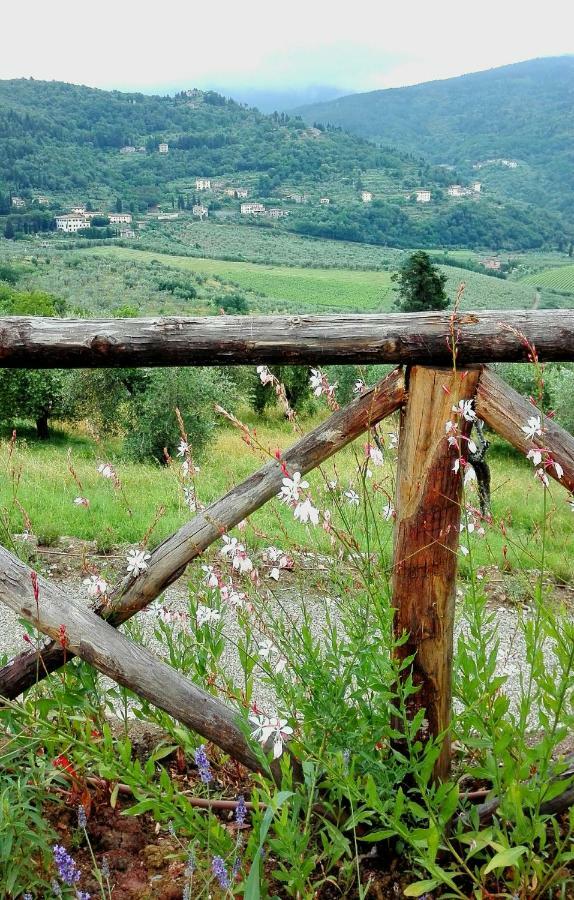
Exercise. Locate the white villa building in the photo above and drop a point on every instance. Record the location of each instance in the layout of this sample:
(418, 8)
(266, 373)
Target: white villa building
(202, 184)
(71, 222)
(423, 196)
(163, 147)
(252, 209)
(366, 196)
(200, 211)
(119, 218)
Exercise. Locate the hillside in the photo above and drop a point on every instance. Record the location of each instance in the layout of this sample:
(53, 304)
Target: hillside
(521, 112)
(75, 145)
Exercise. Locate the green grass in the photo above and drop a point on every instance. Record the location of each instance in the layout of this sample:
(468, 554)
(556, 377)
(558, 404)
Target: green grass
(555, 279)
(46, 492)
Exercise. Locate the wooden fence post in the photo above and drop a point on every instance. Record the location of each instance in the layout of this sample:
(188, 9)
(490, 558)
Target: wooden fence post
(427, 529)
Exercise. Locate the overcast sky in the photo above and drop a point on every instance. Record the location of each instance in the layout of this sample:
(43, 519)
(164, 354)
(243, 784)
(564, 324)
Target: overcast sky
(359, 45)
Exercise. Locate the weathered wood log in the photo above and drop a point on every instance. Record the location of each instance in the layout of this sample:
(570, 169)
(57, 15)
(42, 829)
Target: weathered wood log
(169, 559)
(115, 655)
(506, 412)
(482, 336)
(428, 505)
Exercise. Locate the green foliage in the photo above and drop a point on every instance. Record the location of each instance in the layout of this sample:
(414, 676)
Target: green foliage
(151, 410)
(232, 304)
(26, 837)
(295, 379)
(420, 285)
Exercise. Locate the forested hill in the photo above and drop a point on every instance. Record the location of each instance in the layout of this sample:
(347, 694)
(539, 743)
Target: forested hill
(63, 145)
(65, 138)
(522, 112)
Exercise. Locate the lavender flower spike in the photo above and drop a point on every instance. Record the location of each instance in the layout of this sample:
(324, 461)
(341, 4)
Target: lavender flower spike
(202, 763)
(220, 871)
(241, 810)
(67, 869)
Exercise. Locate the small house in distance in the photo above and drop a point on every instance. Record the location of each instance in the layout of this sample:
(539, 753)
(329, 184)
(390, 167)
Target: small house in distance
(324, 201)
(202, 184)
(163, 147)
(252, 209)
(127, 149)
(476, 187)
(78, 210)
(423, 196)
(18, 202)
(275, 212)
(120, 218)
(455, 190)
(366, 196)
(71, 222)
(127, 233)
(491, 263)
(200, 211)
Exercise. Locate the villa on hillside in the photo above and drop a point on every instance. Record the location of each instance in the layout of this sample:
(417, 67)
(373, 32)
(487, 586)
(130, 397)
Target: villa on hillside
(456, 190)
(275, 212)
(127, 149)
(200, 211)
(163, 147)
(324, 201)
(491, 263)
(202, 184)
(366, 196)
(423, 196)
(18, 202)
(252, 209)
(120, 218)
(71, 222)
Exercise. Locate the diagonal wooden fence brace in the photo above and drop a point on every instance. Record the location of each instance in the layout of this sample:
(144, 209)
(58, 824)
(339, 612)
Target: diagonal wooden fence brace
(113, 654)
(506, 412)
(170, 558)
(428, 505)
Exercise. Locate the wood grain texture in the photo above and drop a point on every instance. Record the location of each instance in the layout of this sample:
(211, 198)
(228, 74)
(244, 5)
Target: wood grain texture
(169, 559)
(482, 336)
(115, 655)
(427, 527)
(506, 411)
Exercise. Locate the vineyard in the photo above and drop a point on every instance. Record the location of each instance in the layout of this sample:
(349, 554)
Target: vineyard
(559, 279)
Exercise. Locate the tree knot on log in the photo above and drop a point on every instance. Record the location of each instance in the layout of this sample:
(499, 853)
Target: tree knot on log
(103, 344)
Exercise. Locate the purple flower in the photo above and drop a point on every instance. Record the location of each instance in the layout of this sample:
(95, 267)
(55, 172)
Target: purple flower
(82, 895)
(27, 896)
(220, 871)
(82, 818)
(241, 810)
(56, 889)
(202, 763)
(236, 867)
(67, 869)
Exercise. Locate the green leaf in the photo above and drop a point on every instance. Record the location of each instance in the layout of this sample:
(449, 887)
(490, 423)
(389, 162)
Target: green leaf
(506, 858)
(253, 881)
(421, 887)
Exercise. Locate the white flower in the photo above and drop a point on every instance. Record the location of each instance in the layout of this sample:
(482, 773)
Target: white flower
(270, 728)
(359, 386)
(374, 454)
(306, 512)
(464, 409)
(96, 586)
(332, 485)
(210, 578)
(535, 456)
(464, 550)
(265, 375)
(106, 471)
(316, 382)
(291, 487)
(541, 474)
(388, 512)
(241, 562)
(456, 466)
(471, 445)
(137, 562)
(532, 427)
(469, 475)
(190, 499)
(394, 440)
(558, 469)
(207, 616)
(352, 497)
(81, 501)
(231, 545)
(272, 553)
(183, 448)
(266, 649)
(274, 573)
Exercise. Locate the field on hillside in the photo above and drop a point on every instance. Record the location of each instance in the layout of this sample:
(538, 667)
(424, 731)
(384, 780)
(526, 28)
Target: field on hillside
(280, 288)
(555, 279)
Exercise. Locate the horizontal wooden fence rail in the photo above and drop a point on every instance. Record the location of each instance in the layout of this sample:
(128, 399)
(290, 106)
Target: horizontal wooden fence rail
(421, 338)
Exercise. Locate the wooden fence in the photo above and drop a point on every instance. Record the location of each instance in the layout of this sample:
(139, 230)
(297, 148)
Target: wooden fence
(441, 362)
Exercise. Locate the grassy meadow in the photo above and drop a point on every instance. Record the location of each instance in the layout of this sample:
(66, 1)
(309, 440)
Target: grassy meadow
(45, 492)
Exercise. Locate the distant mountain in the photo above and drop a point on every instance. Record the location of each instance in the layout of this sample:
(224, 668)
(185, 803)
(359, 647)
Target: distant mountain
(280, 99)
(73, 144)
(522, 112)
